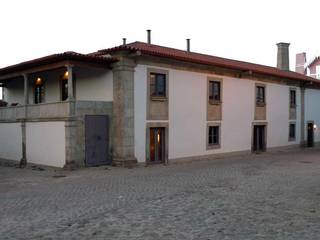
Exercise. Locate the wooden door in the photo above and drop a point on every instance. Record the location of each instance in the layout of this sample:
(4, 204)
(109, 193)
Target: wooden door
(97, 140)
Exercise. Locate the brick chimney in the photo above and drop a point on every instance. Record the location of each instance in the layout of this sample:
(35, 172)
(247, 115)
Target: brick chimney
(301, 59)
(283, 56)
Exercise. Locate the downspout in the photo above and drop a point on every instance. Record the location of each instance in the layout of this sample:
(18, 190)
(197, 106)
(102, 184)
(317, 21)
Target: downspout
(302, 120)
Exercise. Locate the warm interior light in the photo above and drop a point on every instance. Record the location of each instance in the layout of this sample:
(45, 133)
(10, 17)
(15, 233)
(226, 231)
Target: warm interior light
(38, 81)
(66, 75)
(158, 137)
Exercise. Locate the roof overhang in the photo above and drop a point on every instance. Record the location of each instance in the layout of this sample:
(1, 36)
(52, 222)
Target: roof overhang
(55, 61)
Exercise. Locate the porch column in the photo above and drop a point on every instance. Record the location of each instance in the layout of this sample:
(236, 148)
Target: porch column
(26, 89)
(123, 113)
(70, 82)
(302, 119)
(23, 161)
(71, 125)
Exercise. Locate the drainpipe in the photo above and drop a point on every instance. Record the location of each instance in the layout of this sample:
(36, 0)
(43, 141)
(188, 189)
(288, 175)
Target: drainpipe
(302, 120)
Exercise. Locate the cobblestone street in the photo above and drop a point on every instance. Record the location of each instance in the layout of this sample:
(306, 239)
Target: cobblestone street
(267, 196)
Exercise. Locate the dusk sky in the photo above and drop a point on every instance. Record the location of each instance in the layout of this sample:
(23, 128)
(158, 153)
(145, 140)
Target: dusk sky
(245, 30)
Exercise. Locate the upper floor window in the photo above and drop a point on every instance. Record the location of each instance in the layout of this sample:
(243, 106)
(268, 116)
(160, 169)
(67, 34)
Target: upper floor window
(38, 91)
(213, 135)
(260, 95)
(292, 98)
(214, 91)
(64, 86)
(158, 84)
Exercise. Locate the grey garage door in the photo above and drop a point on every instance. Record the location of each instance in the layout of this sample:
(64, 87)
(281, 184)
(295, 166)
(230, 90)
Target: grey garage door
(97, 140)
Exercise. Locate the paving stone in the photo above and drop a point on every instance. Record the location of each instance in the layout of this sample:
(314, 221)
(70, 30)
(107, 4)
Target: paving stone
(269, 196)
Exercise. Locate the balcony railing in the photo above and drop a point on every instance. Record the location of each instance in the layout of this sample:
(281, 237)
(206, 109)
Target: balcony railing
(54, 111)
(35, 111)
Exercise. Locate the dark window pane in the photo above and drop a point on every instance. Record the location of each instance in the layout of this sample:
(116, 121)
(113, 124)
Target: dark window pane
(292, 97)
(260, 98)
(38, 91)
(158, 84)
(213, 135)
(292, 131)
(214, 90)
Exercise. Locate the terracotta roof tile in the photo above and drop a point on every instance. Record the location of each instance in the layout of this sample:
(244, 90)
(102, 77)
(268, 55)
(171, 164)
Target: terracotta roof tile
(56, 58)
(155, 50)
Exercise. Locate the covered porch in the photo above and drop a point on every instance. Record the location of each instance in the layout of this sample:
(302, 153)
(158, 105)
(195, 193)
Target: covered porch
(45, 101)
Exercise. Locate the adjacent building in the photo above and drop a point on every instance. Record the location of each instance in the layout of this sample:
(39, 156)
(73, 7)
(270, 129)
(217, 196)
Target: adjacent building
(311, 68)
(140, 102)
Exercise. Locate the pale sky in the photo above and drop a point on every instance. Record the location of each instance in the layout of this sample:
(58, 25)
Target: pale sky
(245, 30)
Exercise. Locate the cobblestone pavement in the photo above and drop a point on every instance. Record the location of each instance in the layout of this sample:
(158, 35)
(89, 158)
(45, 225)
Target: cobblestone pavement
(268, 196)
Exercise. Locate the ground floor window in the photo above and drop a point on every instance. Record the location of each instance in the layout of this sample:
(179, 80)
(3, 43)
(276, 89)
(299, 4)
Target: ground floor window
(292, 131)
(213, 135)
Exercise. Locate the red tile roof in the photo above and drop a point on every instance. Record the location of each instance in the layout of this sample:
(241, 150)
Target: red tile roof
(54, 58)
(172, 53)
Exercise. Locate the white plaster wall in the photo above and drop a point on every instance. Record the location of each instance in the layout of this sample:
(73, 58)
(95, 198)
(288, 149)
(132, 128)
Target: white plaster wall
(46, 143)
(94, 85)
(10, 141)
(278, 115)
(312, 111)
(187, 114)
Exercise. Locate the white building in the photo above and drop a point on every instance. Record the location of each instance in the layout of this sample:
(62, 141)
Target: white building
(145, 103)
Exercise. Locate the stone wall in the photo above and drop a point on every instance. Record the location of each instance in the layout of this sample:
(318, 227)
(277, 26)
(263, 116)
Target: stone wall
(83, 108)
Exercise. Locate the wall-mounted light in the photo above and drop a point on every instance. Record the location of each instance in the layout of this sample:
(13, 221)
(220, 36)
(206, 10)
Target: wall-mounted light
(314, 126)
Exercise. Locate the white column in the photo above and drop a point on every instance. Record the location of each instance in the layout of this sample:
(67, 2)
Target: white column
(70, 82)
(26, 89)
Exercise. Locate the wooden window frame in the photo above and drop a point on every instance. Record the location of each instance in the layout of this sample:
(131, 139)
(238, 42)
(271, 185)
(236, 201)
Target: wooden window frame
(61, 80)
(155, 96)
(214, 98)
(260, 103)
(43, 99)
(210, 90)
(293, 105)
(213, 145)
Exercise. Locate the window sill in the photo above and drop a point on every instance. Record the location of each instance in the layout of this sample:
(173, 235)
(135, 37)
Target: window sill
(260, 104)
(213, 146)
(214, 102)
(160, 99)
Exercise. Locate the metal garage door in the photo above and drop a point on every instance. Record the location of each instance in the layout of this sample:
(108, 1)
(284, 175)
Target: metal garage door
(97, 140)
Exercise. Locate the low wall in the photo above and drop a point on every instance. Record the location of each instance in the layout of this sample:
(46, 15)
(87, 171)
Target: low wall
(45, 143)
(10, 141)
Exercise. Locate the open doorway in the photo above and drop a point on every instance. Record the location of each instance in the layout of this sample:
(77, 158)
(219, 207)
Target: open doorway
(259, 138)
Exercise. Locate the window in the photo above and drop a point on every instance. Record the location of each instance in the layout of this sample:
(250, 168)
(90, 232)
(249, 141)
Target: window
(64, 86)
(213, 135)
(292, 131)
(214, 91)
(292, 98)
(38, 91)
(260, 95)
(158, 84)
